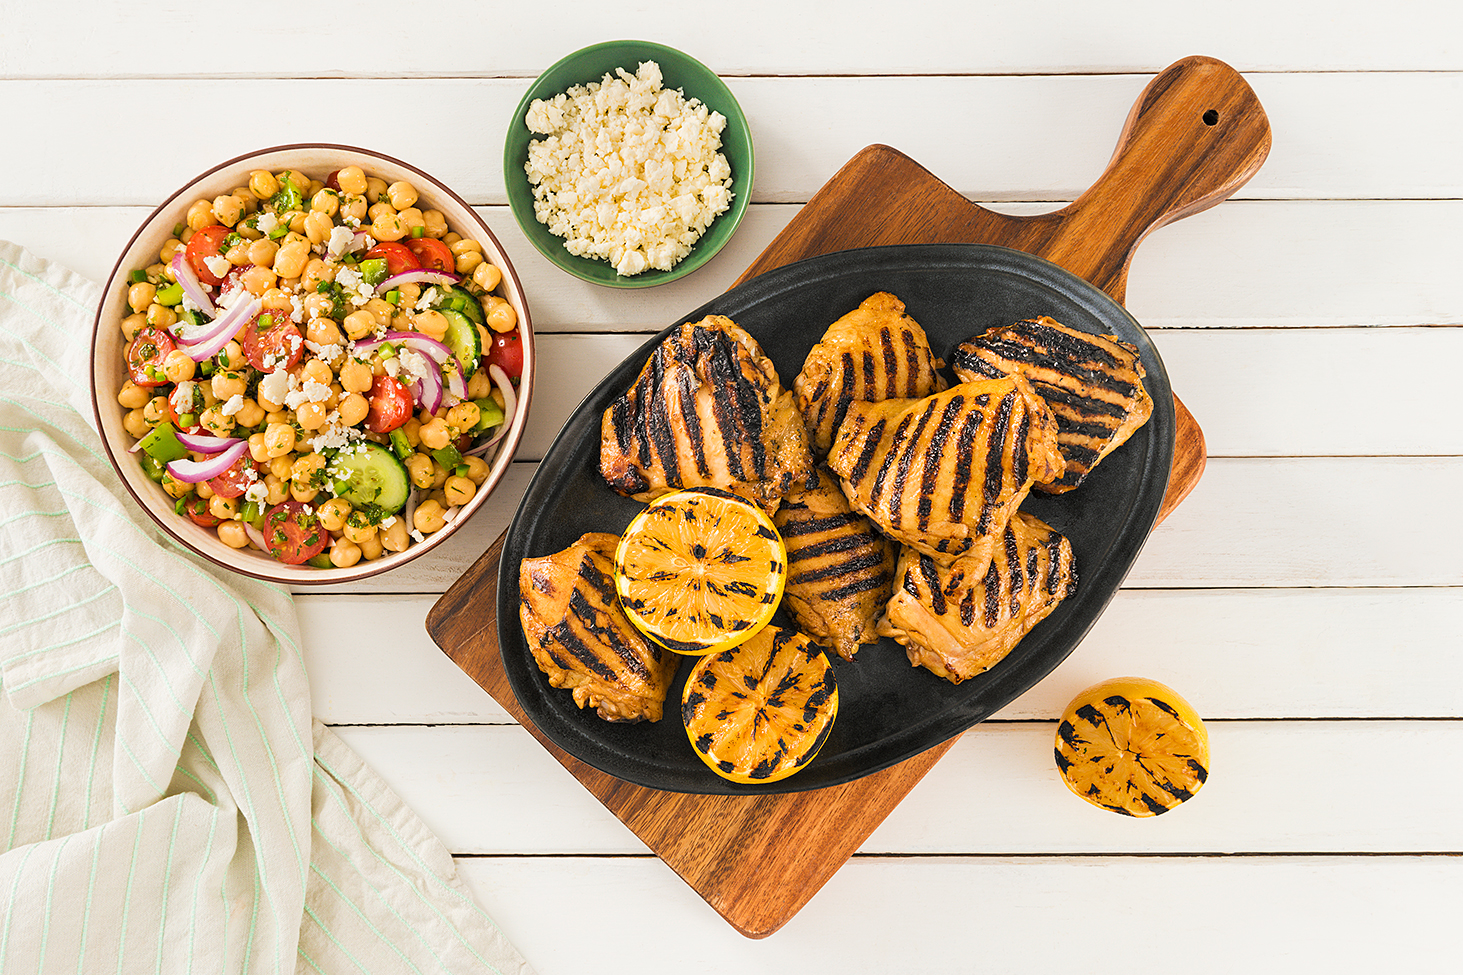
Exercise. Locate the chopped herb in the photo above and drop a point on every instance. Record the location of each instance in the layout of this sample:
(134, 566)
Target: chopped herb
(288, 197)
(178, 229)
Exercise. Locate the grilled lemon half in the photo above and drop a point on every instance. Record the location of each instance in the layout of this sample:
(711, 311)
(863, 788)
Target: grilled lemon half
(700, 570)
(1133, 746)
(760, 711)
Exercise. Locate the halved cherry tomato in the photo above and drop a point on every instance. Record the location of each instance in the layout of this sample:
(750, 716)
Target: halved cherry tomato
(145, 355)
(432, 254)
(279, 346)
(390, 404)
(293, 532)
(202, 245)
(186, 397)
(196, 509)
(235, 481)
(398, 258)
(507, 353)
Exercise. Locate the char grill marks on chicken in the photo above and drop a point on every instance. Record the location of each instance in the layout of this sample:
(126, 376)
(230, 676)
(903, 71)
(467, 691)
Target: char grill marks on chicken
(875, 352)
(944, 473)
(1093, 383)
(840, 570)
(581, 638)
(707, 410)
(961, 619)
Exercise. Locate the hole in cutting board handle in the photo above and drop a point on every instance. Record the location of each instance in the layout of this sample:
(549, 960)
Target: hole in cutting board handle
(1211, 117)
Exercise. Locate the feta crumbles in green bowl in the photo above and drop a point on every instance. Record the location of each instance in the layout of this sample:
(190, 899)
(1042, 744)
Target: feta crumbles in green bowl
(628, 164)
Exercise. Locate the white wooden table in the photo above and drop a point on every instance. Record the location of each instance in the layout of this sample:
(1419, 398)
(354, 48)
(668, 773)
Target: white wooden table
(1305, 598)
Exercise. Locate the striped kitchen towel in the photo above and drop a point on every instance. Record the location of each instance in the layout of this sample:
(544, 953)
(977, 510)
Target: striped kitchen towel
(167, 803)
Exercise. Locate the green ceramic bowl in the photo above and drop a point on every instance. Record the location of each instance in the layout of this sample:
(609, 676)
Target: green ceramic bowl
(679, 70)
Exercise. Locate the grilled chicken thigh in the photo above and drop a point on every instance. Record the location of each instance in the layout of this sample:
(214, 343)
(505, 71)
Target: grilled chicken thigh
(840, 570)
(875, 352)
(706, 411)
(581, 638)
(962, 619)
(943, 474)
(1093, 383)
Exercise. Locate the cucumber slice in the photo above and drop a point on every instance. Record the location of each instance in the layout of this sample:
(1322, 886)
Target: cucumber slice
(464, 340)
(470, 306)
(370, 474)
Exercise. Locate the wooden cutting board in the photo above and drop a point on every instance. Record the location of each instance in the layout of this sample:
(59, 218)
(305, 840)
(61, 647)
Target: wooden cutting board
(1196, 134)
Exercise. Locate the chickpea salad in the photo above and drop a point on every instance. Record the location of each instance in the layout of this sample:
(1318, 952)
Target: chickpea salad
(316, 367)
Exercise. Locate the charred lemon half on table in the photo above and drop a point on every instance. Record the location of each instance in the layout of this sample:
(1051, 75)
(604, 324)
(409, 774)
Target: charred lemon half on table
(700, 570)
(1133, 746)
(760, 711)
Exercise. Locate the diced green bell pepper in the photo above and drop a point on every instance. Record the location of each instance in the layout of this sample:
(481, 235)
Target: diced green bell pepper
(161, 444)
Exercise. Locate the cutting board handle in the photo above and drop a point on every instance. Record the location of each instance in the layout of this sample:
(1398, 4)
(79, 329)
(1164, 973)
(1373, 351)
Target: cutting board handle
(1196, 135)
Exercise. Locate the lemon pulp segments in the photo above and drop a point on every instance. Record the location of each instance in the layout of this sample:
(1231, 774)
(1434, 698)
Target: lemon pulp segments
(700, 570)
(1133, 746)
(760, 711)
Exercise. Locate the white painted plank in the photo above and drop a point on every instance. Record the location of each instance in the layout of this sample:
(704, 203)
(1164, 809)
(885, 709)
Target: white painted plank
(1274, 787)
(1103, 916)
(1260, 263)
(763, 36)
(1324, 653)
(1273, 522)
(1364, 136)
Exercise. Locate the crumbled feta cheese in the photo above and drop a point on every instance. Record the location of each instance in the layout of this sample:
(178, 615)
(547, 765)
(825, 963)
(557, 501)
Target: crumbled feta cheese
(335, 435)
(235, 404)
(629, 172)
(427, 300)
(327, 352)
(256, 492)
(309, 392)
(297, 309)
(416, 535)
(275, 386)
(339, 242)
(218, 264)
(354, 285)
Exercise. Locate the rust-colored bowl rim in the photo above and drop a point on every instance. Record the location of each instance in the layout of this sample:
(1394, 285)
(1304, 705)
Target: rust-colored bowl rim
(106, 348)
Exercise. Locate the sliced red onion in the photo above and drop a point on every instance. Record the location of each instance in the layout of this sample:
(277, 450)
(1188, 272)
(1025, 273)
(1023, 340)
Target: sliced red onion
(425, 344)
(409, 510)
(184, 274)
(361, 240)
(419, 276)
(256, 536)
(456, 385)
(428, 390)
(450, 515)
(510, 406)
(223, 330)
(205, 444)
(194, 471)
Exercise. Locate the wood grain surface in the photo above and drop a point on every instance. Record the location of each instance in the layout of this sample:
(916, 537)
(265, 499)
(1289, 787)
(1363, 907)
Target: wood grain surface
(1196, 134)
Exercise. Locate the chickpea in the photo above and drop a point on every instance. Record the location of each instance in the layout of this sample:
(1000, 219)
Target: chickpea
(257, 451)
(402, 194)
(465, 245)
(459, 490)
(276, 300)
(353, 208)
(203, 490)
(316, 271)
(464, 416)
(393, 536)
(221, 507)
(355, 376)
(231, 356)
(263, 184)
(200, 215)
(382, 209)
(316, 371)
(375, 189)
(480, 385)
(487, 276)
(412, 431)
(381, 310)
(353, 409)
(277, 488)
(351, 179)
(250, 414)
(411, 219)
(229, 384)
(316, 305)
(282, 466)
(432, 324)
(439, 478)
(410, 293)
(156, 410)
(247, 197)
(434, 222)
(247, 232)
(258, 279)
(227, 209)
(310, 416)
(450, 238)
(304, 493)
(477, 470)
(135, 423)
(295, 219)
(279, 439)
(344, 554)
(304, 468)
(300, 180)
(435, 434)
(333, 513)
(323, 331)
(262, 252)
(140, 295)
(277, 416)
(468, 261)
(232, 534)
(174, 487)
(501, 316)
(325, 201)
(318, 226)
(133, 324)
(216, 422)
(161, 315)
(358, 527)
(290, 260)
(388, 226)
(238, 255)
(169, 248)
(419, 469)
(359, 324)
(428, 517)
(132, 396)
(371, 548)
